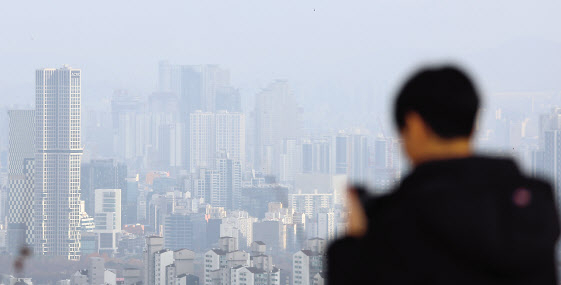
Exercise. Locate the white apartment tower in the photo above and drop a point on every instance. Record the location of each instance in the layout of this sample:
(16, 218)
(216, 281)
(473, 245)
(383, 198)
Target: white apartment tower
(57, 162)
(216, 133)
(230, 134)
(202, 144)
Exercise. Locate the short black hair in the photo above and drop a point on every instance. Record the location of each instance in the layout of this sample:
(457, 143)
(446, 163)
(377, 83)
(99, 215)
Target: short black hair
(444, 97)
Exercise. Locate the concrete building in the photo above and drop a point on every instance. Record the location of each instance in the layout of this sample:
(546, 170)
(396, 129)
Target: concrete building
(56, 229)
(227, 191)
(310, 203)
(221, 186)
(289, 164)
(254, 276)
(202, 146)
(230, 134)
(276, 118)
(11, 280)
(178, 231)
(255, 199)
(219, 262)
(21, 158)
(308, 262)
(132, 276)
(315, 156)
(153, 244)
(129, 126)
(238, 224)
(184, 261)
(323, 225)
(271, 233)
(96, 271)
(164, 266)
(108, 218)
(319, 279)
(162, 259)
(197, 87)
(103, 174)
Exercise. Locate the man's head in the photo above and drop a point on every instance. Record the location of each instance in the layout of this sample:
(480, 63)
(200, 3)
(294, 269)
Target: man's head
(435, 113)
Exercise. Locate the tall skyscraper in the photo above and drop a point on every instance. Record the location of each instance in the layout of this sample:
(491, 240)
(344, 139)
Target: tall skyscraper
(213, 134)
(57, 162)
(276, 118)
(165, 131)
(341, 150)
(359, 157)
(221, 187)
(129, 125)
(202, 136)
(197, 88)
(227, 192)
(196, 85)
(228, 98)
(21, 157)
(289, 164)
(230, 134)
(315, 156)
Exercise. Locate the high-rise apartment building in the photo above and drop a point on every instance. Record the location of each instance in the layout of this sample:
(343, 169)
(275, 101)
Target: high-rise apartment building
(341, 154)
(165, 134)
(315, 156)
(153, 244)
(276, 118)
(57, 162)
(197, 88)
(230, 134)
(227, 192)
(202, 140)
(359, 158)
(21, 157)
(196, 85)
(220, 187)
(307, 263)
(216, 134)
(129, 125)
(289, 164)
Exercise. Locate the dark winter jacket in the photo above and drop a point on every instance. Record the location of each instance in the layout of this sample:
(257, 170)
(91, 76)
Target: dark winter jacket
(475, 220)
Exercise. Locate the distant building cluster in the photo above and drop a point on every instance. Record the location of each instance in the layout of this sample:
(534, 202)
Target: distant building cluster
(182, 186)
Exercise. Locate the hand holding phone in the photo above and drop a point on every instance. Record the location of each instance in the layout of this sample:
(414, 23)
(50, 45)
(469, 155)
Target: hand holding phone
(357, 222)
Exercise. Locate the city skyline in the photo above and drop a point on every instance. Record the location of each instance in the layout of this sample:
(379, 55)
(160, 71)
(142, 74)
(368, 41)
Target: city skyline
(194, 143)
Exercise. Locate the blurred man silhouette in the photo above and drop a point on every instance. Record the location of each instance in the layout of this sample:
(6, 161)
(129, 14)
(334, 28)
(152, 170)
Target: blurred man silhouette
(457, 218)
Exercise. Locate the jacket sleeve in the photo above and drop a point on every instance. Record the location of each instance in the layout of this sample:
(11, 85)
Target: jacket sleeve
(345, 262)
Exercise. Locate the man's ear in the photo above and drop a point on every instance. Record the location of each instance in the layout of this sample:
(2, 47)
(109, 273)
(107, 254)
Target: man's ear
(416, 126)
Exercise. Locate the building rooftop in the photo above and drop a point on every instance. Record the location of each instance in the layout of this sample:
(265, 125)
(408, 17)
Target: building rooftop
(309, 252)
(316, 238)
(219, 251)
(255, 270)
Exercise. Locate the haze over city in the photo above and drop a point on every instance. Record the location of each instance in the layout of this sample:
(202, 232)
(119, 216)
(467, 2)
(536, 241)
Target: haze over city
(194, 141)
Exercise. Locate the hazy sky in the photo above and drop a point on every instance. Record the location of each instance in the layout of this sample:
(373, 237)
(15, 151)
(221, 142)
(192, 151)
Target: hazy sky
(340, 56)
